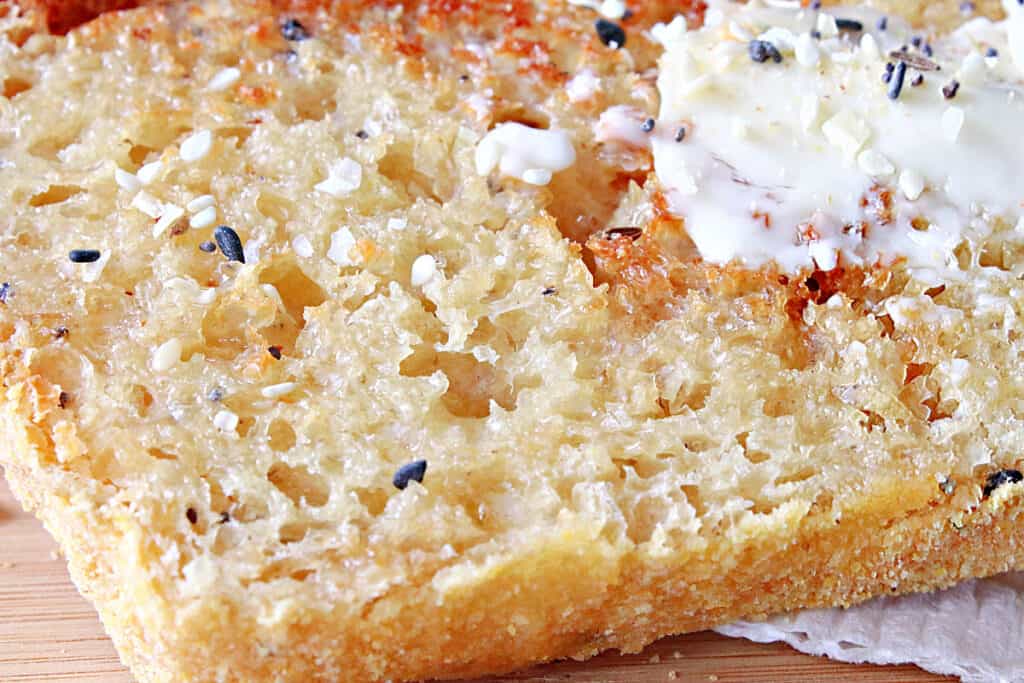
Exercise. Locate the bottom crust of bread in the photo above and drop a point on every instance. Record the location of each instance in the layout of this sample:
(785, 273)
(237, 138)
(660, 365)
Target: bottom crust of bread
(573, 596)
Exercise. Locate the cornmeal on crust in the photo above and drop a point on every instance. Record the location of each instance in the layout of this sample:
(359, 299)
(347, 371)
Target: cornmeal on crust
(622, 439)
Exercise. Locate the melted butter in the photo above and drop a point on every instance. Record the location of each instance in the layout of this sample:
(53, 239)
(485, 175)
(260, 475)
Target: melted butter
(790, 162)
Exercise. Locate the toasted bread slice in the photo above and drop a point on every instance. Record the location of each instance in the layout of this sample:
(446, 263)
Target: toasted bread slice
(408, 416)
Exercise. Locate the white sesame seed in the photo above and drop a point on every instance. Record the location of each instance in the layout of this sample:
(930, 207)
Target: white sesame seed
(147, 204)
(397, 223)
(911, 183)
(952, 122)
(223, 79)
(199, 203)
(810, 110)
(207, 296)
(424, 268)
(537, 176)
(302, 246)
(343, 177)
(126, 181)
(827, 25)
(171, 213)
(149, 172)
(671, 32)
(167, 355)
(278, 390)
(806, 50)
(196, 146)
(204, 218)
(342, 242)
(874, 163)
(846, 131)
(1019, 227)
(226, 421)
(869, 47)
(825, 256)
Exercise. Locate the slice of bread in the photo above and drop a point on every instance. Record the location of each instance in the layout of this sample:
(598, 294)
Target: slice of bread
(620, 440)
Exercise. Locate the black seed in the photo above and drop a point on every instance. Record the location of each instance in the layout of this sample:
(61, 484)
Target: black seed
(816, 34)
(889, 66)
(5, 292)
(225, 518)
(63, 399)
(918, 80)
(548, 291)
(849, 25)
(215, 394)
(997, 479)
(84, 255)
(412, 471)
(916, 41)
(362, 134)
(229, 243)
(883, 23)
(681, 134)
(275, 351)
(293, 30)
(927, 50)
(815, 4)
(950, 89)
(896, 85)
(60, 332)
(812, 284)
(761, 51)
(887, 76)
(647, 126)
(208, 247)
(610, 33)
(966, 7)
(991, 52)
(192, 516)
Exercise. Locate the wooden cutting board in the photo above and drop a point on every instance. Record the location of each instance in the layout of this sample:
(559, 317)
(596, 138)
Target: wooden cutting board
(48, 632)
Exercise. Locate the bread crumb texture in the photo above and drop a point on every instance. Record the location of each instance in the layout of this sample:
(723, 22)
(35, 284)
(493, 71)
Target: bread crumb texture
(621, 441)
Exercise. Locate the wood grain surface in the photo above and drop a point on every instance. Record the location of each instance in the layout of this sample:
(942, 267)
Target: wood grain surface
(48, 632)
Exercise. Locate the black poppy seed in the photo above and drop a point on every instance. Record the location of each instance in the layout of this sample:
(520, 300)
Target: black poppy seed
(904, 48)
(5, 292)
(84, 255)
(647, 126)
(927, 50)
(207, 246)
(215, 395)
(966, 7)
(916, 41)
(816, 34)
(917, 80)
(362, 134)
(882, 23)
(225, 517)
(761, 51)
(627, 15)
(849, 25)
(889, 66)
(610, 33)
(230, 243)
(681, 134)
(274, 351)
(411, 471)
(548, 291)
(887, 76)
(63, 399)
(193, 517)
(997, 479)
(815, 4)
(60, 332)
(896, 85)
(292, 30)
(991, 52)
(950, 89)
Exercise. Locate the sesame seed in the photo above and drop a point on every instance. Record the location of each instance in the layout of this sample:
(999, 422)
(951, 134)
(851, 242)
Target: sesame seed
(168, 217)
(224, 79)
(292, 30)
(204, 218)
(849, 25)
(84, 255)
(681, 134)
(950, 89)
(918, 80)
(230, 243)
(274, 351)
(362, 134)
(207, 246)
(412, 471)
(302, 246)
(147, 204)
(911, 183)
(196, 146)
(424, 268)
(610, 33)
(761, 51)
(278, 390)
(192, 516)
(149, 172)
(167, 355)
(896, 85)
(126, 181)
(199, 203)
(647, 126)
(883, 23)
(952, 123)
(5, 292)
(536, 176)
(225, 420)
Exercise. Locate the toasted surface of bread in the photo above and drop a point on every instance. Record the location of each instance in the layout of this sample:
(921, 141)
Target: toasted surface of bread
(621, 440)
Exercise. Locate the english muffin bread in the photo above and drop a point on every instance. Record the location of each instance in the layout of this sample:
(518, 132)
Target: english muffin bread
(361, 341)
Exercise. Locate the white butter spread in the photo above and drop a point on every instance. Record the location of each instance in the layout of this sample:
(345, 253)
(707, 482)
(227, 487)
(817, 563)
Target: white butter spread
(529, 154)
(794, 161)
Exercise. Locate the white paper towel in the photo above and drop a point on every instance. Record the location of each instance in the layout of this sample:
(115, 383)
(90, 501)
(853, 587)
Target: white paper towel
(973, 630)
